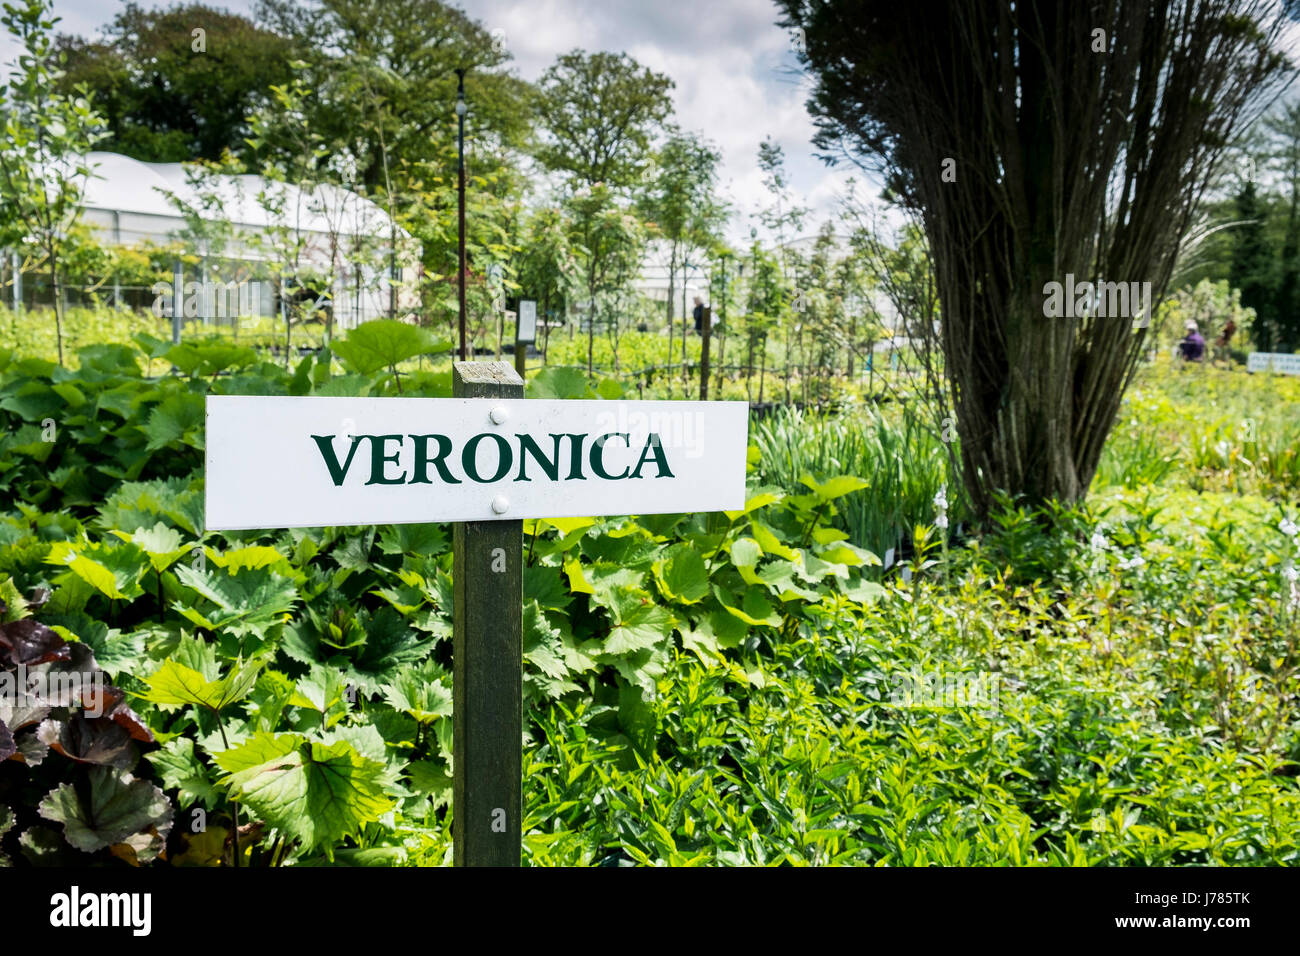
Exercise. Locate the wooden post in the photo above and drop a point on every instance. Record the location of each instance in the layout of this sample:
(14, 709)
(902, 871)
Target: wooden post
(521, 353)
(487, 646)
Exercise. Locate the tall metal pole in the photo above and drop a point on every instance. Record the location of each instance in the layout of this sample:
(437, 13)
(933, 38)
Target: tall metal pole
(460, 189)
(706, 331)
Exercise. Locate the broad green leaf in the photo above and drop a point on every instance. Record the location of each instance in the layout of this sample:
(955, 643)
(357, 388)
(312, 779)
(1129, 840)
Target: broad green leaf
(780, 576)
(177, 420)
(250, 557)
(181, 769)
(835, 487)
(639, 627)
(176, 685)
(381, 343)
(313, 792)
(247, 602)
(754, 503)
(12, 603)
(423, 691)
(824, 534)
(682, 576)
(70, 394)
(745, 554)
(209, 358)
(577, 579)
(422, 539)
(755, 608)
(569, 525)
(771, 544)
(559, 381)
(113, 571)
(161, 543)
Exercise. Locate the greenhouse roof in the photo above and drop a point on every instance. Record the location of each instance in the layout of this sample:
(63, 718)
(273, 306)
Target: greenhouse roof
(124, 185)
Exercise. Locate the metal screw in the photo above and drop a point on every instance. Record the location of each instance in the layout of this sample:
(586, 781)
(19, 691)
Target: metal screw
(499, 414)
(500, 504)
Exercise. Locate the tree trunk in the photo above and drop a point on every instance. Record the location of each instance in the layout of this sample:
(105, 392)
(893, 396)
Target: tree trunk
(1032, 156)
(58, 302)
(546, 326)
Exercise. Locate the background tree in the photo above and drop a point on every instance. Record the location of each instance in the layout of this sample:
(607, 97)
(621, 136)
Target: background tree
(43, 164)
(1284, 131)
(679, 200)
(767, 297)
(318, 209)
(783, 216)
(427, 191)
(547, 267)
(1253, 267)
(599, 113)
(1035, 139)
(393, 64)
(168, 95)
(609, 243)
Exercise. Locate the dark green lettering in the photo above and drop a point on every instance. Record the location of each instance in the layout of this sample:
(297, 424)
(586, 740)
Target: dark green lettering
(527, 446)
(575, 458)
(326, 445)
(378, 459)
(504, 457)
(420, 475)
(598, 454)
(653, 442)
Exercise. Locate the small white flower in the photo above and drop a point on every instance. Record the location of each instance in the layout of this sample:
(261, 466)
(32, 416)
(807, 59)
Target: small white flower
(941, 499)
(1222, 448)
(1289, 528)
(1291, 574)
(1130, 564)
(941, 522)
(1098, 541)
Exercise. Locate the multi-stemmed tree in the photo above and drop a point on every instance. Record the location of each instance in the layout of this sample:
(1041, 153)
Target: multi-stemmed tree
(1036, 139)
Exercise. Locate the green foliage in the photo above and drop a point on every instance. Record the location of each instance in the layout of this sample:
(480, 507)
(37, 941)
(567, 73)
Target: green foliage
(385, 344)
(902, 462)
(1101, 741)
(43, 161)
(167, 94)
(747, 687)
(1253, 268)
(600, 112)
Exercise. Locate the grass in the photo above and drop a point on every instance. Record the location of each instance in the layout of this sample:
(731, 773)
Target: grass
(903, 460)
(1207, 429)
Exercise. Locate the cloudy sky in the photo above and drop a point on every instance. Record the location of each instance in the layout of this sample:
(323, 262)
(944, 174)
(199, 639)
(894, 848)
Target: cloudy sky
(737, 78)
(736, 75)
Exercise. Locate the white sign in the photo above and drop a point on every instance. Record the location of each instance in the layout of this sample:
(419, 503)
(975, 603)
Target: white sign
(1281, 362)
(527, 321)
(313, 461)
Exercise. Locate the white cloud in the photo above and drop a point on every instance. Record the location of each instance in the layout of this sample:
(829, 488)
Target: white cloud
(737, 80)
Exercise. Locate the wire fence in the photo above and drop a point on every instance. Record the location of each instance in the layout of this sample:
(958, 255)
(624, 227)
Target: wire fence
(817, 385)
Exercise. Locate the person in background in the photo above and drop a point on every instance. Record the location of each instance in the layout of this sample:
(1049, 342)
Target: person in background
(698, 313)
(1221, 343)
(1192, 347)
